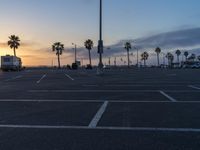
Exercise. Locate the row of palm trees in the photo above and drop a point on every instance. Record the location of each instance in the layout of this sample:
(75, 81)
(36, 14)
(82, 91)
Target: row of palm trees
(58, 47)
(169, 56)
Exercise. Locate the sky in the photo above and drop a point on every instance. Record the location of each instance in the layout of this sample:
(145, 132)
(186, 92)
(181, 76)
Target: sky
(170, 24)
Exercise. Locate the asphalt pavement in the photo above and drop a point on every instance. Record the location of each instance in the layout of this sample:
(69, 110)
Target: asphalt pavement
(123, 109)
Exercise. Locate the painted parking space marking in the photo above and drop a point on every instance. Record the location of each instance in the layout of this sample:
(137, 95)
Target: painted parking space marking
(44, 76)
(98, 115)
(14, 78)
(90, 85)
(194, 87)
(110, 91)
(151, 129)
(90, 101)
(140, 85)
(91, 91)
(69, 77)
(169, 97)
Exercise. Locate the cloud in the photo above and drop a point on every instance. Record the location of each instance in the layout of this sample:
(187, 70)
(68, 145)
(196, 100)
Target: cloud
(22, 44)
(186, 39)
(3, 45)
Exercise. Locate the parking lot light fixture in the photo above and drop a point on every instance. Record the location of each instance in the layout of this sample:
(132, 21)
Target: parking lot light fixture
(100, 42)
(75, 47)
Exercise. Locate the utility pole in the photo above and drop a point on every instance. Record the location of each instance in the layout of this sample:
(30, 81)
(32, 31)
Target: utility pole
(100, 43)
(75, 58)
(115, 61)
(109, 61)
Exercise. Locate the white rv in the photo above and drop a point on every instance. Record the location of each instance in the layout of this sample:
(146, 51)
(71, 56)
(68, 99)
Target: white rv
(11, 63)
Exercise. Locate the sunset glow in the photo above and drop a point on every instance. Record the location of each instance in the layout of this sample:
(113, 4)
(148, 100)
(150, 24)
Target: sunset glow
(41, 23)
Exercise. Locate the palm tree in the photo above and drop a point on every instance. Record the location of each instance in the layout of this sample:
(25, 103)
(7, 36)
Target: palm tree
(158, 50)
(198, 57)
(186, 55)
(192, 57)
(58, 47)
(127, 46)
(170, 58)
(144, 56)
(89, 45)
(178, 53)
(14, 43)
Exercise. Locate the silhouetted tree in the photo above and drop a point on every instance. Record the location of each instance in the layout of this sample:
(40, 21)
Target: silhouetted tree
(144, 57)
(198, 57)
(186, 55)
(14, 43)
(158, 50)
(178, 53)
(192, 57)
(127, 46)
(58, 48)
(89, 45)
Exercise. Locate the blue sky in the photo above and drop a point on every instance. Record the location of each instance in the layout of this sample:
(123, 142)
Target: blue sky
(39, 23)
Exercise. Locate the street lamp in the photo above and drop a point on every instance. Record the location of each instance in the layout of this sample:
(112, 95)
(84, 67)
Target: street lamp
(75, 51)
(163, 58)
(115, 61)
(100, 42)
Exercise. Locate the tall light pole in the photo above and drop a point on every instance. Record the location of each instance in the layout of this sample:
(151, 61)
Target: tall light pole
(163, 58)
(109, 61)
(115, 62)
(100, 43)
(75, 59)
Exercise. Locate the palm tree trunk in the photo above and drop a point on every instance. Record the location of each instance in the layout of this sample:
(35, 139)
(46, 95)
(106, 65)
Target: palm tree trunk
(128, 58)
(178, 58)
(58, 61)
(158, 59)
(14, 52)
(90, 58)
(170, 63)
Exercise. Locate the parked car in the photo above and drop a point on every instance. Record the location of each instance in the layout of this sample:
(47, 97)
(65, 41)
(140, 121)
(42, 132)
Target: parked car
(89, 67)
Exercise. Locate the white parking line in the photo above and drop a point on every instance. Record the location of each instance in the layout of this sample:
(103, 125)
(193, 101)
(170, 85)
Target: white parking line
(151, 129)
(98, 115)
(90, 91)
(90, 101)
(139, 85)
(69, 77)
(92, 85)
(41, 78)
(17, 77)
(194, 87)
(169, 97)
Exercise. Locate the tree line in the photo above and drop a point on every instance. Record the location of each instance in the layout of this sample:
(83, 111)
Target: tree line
(58, 48)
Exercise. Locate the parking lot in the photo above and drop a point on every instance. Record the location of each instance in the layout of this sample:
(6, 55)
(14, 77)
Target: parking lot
(123, 109)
